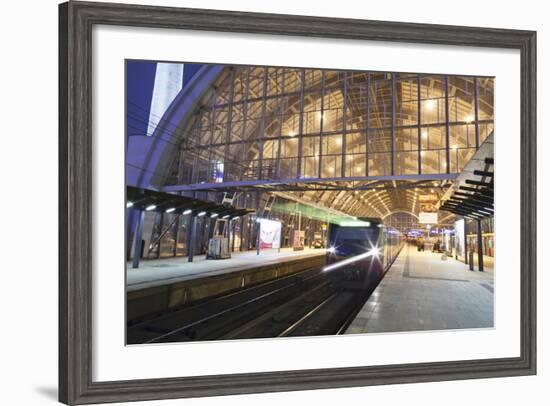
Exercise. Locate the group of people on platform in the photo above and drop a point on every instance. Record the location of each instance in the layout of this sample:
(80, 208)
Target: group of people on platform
(420, 244)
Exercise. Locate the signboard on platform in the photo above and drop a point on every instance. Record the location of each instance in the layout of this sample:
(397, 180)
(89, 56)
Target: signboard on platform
(298, 243)
(428, 209)
(270, 234)
(427, 218)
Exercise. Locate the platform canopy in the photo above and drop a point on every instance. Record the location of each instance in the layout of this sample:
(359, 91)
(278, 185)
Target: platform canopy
(151, 200)
(472, 194)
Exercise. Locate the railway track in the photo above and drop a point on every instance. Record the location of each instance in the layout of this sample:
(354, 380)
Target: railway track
(301, 304)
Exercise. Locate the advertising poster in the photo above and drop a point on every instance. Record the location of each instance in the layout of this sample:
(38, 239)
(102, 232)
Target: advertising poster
(270, 234)
(299, 236)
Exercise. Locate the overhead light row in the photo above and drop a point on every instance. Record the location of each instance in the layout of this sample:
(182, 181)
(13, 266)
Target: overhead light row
(185, 212)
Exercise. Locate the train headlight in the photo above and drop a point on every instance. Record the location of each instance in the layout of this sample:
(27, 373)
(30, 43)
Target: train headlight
(375, 252)
(331, 250)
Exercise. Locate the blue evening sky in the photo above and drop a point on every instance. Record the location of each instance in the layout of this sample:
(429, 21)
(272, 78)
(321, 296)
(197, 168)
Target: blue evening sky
(140, 79)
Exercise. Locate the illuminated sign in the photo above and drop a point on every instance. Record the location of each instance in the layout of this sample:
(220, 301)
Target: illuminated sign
(427, 218)
(270, 234)
(354, 223)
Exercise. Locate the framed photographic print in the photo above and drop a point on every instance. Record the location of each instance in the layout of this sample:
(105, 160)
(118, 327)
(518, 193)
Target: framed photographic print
(257, 202)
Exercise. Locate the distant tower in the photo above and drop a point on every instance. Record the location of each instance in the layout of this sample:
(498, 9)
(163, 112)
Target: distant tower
(168, 83)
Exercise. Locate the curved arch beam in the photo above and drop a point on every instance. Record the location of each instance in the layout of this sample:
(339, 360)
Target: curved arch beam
(149, 158)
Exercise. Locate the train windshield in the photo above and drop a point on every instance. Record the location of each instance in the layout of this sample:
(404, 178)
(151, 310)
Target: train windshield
(353, 240)
(356, 233)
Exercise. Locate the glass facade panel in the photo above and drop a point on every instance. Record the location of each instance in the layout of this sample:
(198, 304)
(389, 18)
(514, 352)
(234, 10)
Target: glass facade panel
(434, 161)
(485, 129)
(485, 95)
(406, 139)
(355, 143)
(433, 137)
(253, 123)
(406, 101)
(332, 144)
(332, 166)
(379, 164)
(356, 109)
(379, 141)
(380, 109)
(461, 99)
(406, 163)
(310, 157)
(462, 136)
(333, 110)
(432, 99)
(293, 80)
(459, 157)
(312, 113)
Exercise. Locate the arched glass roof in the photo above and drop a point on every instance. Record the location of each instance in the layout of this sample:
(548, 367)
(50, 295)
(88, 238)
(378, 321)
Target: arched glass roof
(318, 135)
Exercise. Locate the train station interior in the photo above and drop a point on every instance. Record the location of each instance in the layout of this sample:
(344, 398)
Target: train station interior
(245, 186)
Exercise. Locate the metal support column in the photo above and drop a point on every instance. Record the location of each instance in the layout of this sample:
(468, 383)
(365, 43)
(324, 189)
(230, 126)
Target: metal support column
(229, 123)
(301, 124)
(138, 238)
(131, 220)
(367, 127)
(344, 127)
(321, 124)
(245, 118)
(257, 236)
(447, 129)
(262, 130)
(280, 135)
(212, 169)
(191, 238)
(419, 122)
(465, 243)
(230, 235)
(476, 117)
(392, 169)
(281, 239)
(479, 247)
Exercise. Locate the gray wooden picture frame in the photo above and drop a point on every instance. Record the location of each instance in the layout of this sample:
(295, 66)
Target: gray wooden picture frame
(76, 20)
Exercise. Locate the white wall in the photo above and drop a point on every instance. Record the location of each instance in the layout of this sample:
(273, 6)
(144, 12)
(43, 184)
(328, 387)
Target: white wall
(28, 161)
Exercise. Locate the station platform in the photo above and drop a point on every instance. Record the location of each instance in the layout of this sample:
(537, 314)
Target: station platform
(162, 284)
(423, 292)
(157, 272)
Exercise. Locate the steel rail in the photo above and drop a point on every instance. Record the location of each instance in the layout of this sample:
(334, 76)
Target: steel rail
(225, 311)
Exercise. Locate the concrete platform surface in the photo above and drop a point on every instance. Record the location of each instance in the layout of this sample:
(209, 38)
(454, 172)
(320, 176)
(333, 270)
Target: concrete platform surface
(423, 292)
(164, 271)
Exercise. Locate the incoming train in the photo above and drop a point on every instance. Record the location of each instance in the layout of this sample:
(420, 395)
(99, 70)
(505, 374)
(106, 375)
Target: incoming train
(360, 251)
